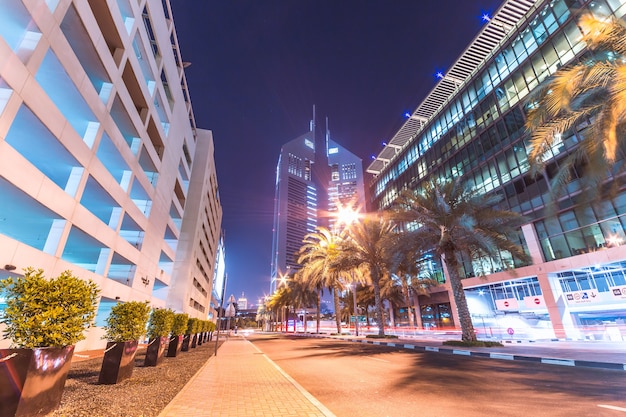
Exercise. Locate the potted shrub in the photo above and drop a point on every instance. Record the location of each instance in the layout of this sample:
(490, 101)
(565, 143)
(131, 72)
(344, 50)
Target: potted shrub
(195, 324)
(179, 325)
(159, 328)
(200, 332)
(189, 333)
(124, 326)
(212, 328)
(207, 327)
(44, 319)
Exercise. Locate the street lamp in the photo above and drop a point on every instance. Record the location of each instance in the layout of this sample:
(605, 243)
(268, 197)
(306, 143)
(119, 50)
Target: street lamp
(346, 216)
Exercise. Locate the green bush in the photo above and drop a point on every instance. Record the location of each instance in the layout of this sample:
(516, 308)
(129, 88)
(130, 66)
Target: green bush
(44, 312)
(127, 321)
(180, 324)
(160, 323)
(192, 326)
(212, 327)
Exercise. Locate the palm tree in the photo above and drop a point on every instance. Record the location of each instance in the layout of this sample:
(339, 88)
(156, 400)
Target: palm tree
(595, 88)
(302, 296)
(406, 267)
(455, 220)
(279, 300)
(318, 256)
(368, 246)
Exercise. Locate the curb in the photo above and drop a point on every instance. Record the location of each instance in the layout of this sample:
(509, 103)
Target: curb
(487, 355)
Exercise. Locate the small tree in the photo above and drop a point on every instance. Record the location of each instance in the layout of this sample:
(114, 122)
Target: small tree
(179, 324)
(44, 312)
(127, 321)
(160, 323)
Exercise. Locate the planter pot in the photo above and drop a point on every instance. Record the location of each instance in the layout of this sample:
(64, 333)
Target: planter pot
(118, 362)
(32, 380)
(175, 345)
(194, 341)
(186, 342)
(155, 351)
(200, 339)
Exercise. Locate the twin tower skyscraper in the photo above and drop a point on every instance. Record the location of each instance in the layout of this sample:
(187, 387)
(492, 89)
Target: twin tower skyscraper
(314, 176)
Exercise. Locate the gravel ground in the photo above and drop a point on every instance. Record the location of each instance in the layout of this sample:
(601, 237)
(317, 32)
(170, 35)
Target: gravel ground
(145, 394)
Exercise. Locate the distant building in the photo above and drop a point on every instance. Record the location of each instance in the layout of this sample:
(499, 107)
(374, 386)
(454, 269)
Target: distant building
(471, 125)
(242, 302)
(314, 175)
(103, 170)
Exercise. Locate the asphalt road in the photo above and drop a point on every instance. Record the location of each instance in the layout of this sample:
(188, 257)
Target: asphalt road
(363, 380)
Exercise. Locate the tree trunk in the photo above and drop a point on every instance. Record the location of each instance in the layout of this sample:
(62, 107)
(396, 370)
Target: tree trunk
(319, 310)
(467, 328)
(380, 315)
(337, 309)
(407, 296)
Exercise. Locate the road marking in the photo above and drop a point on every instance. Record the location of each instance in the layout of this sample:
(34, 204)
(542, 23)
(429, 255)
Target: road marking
(612, 407)
(376, 359)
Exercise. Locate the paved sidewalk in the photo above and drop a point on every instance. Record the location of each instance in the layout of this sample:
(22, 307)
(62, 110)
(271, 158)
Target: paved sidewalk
(241, 381)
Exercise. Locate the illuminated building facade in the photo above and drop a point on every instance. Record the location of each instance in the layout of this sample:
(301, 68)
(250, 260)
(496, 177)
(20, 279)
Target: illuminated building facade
(102, 168)
(472, 125)
(313, 175)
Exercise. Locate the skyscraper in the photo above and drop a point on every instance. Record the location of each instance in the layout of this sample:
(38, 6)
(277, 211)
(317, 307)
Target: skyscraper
(313, 175)
(103, 170)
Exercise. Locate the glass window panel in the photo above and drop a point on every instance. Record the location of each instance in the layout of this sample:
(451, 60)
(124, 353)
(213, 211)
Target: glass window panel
(599, 8)
(576, 242)
(574, 37)
(604, 210)
(530, 43)
(561, 11)
(539, 31)
(540, 67)
(600, 282)
(568, 220)
(529, 76)
(557, 248)
(620, 203)
(548, 20)
(553, 227)
(585, 215)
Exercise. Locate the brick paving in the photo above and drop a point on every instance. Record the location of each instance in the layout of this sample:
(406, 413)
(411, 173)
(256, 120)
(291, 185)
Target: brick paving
(241, 381)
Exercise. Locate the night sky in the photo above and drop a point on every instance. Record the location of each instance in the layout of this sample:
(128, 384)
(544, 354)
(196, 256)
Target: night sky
(259, 66)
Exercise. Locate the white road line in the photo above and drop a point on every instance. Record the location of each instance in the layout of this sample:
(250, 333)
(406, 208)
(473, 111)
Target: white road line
(376, 359)
(612, 407)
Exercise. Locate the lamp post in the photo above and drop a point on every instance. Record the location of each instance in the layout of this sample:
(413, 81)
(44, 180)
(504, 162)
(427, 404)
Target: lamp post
(346, 215)
(230, 311)
(356, 313)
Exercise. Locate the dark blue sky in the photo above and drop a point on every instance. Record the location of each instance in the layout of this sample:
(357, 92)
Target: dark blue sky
(259, 66)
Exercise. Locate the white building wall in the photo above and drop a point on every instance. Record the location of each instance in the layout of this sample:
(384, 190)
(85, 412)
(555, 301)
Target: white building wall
(92, 166)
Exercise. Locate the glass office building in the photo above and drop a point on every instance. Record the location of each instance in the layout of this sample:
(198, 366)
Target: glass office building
(314, 176)
(103, 170)
(472, 125)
